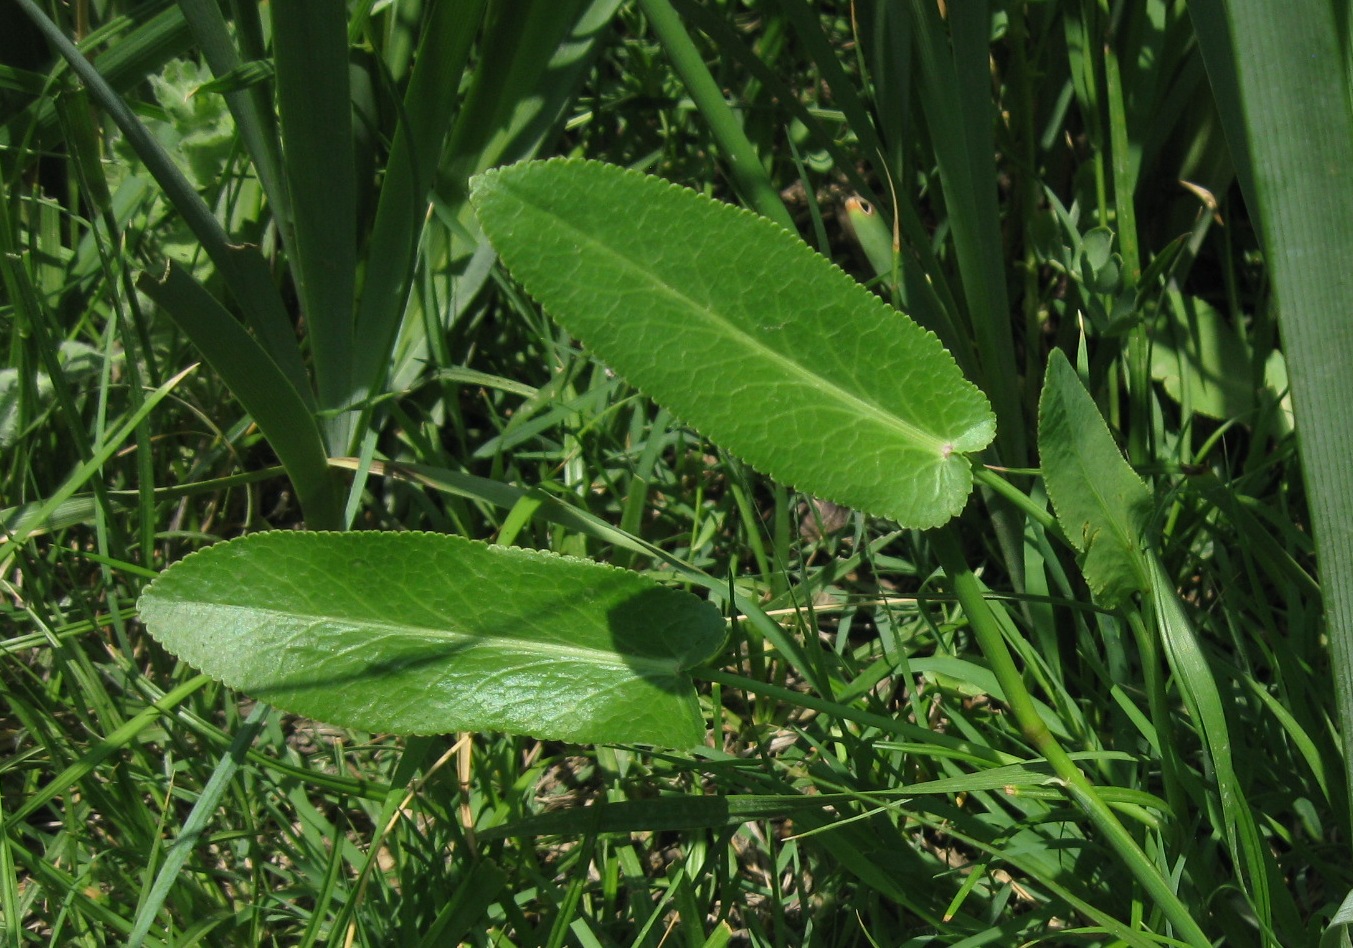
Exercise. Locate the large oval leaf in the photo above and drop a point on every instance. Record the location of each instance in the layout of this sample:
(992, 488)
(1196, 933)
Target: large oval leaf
(743, 331)
(421, 633)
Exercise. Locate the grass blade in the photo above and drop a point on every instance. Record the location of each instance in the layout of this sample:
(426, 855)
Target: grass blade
(1292, 86)
(251, 107)
(99, 456)
(958, 107)
(429, 106)
(195, 825)
(749, 175)
(260, 386)
(310, 42)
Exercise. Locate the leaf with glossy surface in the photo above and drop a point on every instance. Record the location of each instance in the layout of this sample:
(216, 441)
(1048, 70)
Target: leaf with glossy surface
(1101, 503)
(421, 633)
(743, 331)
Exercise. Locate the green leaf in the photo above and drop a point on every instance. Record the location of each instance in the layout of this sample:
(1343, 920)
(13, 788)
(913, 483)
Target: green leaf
(743, 331)
(1203, 363)
(1336, 934)
(1097, 245)
(1101, 503)
(422, 633)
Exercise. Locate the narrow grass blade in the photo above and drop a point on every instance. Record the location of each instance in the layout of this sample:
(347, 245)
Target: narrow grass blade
(749, 175)
(429, 107)
(666, 814)
(310, 43)
(529, 69)
(956, 96)
(101, 751)
(427, 633)
(463, 913)
(991, 637)
(742, 330)
(1207, 707)
(194, 826)
(99, 456)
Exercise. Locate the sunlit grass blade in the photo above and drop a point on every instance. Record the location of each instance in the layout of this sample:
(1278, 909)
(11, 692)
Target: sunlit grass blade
(109, 745)
(987, 628)
(100, 454)
(662, 815)
(195, 825)
(1204, 700)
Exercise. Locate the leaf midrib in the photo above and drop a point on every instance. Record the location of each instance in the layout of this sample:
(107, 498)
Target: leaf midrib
(908, 430)
(445, 635)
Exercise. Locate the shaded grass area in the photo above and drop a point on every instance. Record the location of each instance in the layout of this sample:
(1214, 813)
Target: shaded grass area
(142, 802)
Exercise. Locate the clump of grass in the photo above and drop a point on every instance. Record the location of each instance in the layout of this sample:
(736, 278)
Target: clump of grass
(144, 803)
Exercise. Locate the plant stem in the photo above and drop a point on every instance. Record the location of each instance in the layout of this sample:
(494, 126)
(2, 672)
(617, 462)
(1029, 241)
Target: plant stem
(1078, 787)
(749, 176)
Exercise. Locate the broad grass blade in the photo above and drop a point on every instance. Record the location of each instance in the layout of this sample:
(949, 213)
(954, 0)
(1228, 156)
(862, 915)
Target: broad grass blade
(261, 387)
(529, 69)
(955, 94)
(251, 108)
(429, 107)
(1283, 97)
(310, 42)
